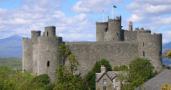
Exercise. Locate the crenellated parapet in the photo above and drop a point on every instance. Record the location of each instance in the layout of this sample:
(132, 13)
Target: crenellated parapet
(109, 31)
(40, 52)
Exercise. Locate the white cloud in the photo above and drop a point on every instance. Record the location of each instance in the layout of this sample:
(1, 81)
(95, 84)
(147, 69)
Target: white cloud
(35, 16)
(87, 6)
(154, 14)
(149, 7)
(167, 36)
(135, 18)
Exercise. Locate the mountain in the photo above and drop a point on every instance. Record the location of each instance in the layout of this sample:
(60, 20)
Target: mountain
(11, 46)
(167, 46)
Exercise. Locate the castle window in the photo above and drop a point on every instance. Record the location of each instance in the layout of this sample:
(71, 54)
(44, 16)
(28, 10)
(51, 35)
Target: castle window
(47, 33)
(117, 34)
(143, 44)
(143, 53)
(105, 29)
(48, 64)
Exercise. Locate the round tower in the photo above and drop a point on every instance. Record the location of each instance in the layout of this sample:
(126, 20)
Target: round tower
(46, 54)
(114, 30)
(35, 35)
(150, 47)
(27, 55)
(101, 29)
(130, 26)
(50, 31)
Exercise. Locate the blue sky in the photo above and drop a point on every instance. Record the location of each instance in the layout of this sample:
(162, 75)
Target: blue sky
(75, 19)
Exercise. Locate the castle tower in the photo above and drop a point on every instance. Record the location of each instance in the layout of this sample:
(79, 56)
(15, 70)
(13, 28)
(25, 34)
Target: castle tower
(27, 55)
(28, 48)
(130, 26)
(114, 30)
(101, 29)
(50, 31)
(150, 47)
(46, 53)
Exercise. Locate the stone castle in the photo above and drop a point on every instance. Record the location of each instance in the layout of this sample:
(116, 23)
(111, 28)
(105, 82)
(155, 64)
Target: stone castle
(118, 46)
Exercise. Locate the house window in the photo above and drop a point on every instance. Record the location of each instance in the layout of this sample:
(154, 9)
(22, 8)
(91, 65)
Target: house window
(104, 87)
(104, 84)
(48, 64)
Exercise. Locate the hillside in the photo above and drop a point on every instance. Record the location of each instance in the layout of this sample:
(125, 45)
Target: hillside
(11, 46)
(14, 63)
(167, 46)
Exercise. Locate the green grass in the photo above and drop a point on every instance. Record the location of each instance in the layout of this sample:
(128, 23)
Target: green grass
(14, 63)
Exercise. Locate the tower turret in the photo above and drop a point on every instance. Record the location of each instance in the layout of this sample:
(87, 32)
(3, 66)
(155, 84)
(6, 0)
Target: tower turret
(114, 30)
(150, 47)
(130, 26)
(50, 31)
(35, 35)
(101, 29)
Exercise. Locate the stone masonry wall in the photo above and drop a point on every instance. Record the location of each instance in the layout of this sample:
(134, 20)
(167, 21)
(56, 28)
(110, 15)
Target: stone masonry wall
(117, 53)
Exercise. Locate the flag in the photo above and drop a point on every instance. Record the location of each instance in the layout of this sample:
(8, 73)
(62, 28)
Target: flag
(114, 6)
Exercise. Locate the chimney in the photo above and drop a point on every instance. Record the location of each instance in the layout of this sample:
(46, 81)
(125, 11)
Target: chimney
(103, 69)
(130, 26)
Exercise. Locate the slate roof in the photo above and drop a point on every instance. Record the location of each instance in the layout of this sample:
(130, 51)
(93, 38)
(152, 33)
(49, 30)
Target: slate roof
(110, 74)
(155, 83)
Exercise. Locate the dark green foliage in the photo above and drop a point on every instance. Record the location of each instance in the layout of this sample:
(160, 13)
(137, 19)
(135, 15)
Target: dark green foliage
(120, 68)
(41, 82)
(17, 80)
(91, 76)
(140, 70)
(64, 53)
(66, 77)
(98, 64)
(66, 80)
(44, 79)
(13, 80)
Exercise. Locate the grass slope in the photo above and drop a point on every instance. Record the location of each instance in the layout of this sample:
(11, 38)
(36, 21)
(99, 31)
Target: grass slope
(14, 63)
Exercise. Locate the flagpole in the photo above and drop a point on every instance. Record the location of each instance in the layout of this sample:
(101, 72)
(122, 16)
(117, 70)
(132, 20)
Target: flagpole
(113, 8)
(103, 16)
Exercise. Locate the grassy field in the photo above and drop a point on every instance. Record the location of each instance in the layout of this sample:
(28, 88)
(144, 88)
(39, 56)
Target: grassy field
(14, 63)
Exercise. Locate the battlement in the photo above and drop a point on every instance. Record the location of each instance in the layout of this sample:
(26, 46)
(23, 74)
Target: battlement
(50, 31)
(35, 34)
(110, 30)
(117, 18)
(142, 30)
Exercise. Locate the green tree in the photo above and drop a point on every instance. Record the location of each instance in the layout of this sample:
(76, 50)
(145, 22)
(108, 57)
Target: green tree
(140, 70)
(20, 80)
(73, 63)
(120, 68)
(41, 82)
(66, 78)
(5, 73)
(64, 52)
(91, 76)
